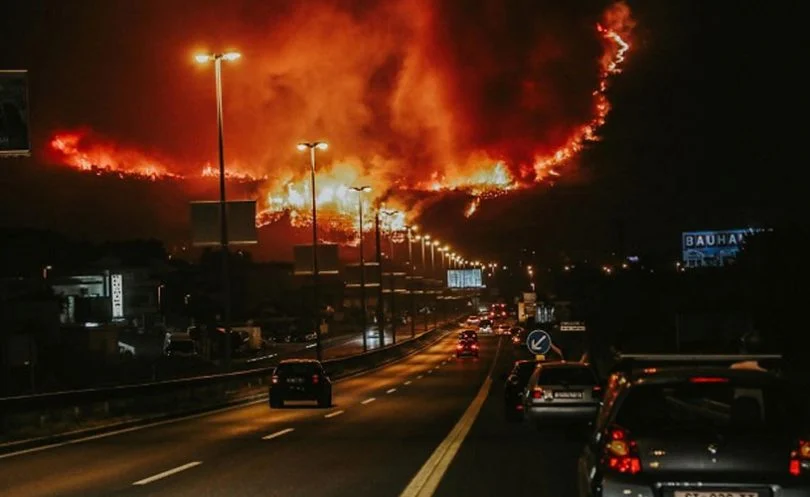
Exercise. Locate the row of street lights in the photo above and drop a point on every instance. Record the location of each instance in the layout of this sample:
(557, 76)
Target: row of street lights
(448, 257)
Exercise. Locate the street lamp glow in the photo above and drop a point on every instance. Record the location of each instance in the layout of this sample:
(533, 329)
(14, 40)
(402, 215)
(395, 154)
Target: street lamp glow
(322, 145)
(312, 145)
(301, 147)
(436, 243)
(231, 55)
(202, 58)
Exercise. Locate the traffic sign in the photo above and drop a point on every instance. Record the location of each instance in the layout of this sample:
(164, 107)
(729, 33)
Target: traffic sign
(538, 342)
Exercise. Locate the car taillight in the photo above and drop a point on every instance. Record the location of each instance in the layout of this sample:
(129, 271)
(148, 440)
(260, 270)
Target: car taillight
(459, 347)
(274, 380)
(597, 390)
(621, 452)
(708, 379)
(316, 378)
(475, 346)
(800, 458)
(537, 393)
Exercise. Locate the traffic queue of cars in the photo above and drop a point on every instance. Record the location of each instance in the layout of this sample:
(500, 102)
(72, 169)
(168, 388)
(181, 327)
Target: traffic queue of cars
(673, 426)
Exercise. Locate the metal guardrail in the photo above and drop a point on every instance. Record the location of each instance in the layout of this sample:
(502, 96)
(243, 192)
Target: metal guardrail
(176, 396)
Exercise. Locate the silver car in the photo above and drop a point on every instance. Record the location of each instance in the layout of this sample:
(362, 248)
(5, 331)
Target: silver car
(698, 432)
(562, 391)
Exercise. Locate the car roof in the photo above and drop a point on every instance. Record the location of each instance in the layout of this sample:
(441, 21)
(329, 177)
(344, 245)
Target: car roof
(680, 375)
(564, 364)
(635, 365)
(298, 361)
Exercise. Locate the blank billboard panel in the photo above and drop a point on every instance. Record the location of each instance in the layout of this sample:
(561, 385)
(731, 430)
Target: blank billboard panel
(327, 259)
(205, 222)
(14, 126)
(464, 278)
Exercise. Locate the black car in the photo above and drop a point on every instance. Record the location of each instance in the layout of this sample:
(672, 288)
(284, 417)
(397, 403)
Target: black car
(699, 432)
(467, 348)
(468, 335)
(516, 382)
(300, 379)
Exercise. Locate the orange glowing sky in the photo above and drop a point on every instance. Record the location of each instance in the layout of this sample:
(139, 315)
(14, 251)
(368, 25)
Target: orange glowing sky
(410, 95)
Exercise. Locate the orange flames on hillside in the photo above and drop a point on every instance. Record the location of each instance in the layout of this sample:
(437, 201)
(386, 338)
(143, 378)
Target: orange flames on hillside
(290, 196)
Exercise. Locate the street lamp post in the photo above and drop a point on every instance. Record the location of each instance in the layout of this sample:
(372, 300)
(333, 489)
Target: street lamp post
(425, 238)
(217, 58)
(311, 146)
(360, 190)
(389, 215)
(433, 245)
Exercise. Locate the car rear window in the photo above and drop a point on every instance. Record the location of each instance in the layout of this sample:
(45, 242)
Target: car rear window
(524, 371)
(569, 375)
(295, 369)
(689, 406)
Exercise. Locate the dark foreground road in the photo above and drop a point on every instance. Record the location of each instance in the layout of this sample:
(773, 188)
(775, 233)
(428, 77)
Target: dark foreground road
(387, 435)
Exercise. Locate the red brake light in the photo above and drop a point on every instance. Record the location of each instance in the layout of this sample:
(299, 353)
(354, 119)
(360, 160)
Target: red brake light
(459, 347)
(537, 393)
(475, 346)
(316, 378)
(800, 458)
(621, 452)
(708, 379)
(274, 379)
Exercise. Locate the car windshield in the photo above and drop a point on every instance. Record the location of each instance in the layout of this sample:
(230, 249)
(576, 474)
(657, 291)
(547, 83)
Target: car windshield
(713, 406)
(566, 375)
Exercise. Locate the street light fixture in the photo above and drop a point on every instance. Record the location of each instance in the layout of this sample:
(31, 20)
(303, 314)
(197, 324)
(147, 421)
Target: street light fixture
(311, 146)
(425, 238)
(217, 58)
(360, 190)
(433, 245)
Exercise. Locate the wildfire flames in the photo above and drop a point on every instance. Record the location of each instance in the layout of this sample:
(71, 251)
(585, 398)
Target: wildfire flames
(485, 172)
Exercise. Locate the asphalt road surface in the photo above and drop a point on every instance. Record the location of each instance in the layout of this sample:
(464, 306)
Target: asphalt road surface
(429, 425)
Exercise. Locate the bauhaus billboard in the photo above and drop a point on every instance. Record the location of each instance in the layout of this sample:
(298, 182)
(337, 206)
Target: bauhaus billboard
(713, 248)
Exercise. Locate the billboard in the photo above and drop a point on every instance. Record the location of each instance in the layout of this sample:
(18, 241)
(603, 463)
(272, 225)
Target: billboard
(712, 248)
(205, 222)
(14, 132)
(464, 278)
(327, 259)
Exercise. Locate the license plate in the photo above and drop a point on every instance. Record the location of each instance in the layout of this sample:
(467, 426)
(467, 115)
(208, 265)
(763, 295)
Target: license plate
(568, 395)
(717, 493)
(295, 380)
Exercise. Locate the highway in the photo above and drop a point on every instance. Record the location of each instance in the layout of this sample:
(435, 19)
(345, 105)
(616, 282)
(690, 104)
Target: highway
(428, 425)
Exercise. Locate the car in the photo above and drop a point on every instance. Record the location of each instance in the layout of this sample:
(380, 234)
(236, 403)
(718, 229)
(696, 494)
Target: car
(466, 348)
(468, 335)
(514, 385)
(502, 329)
(518, 336)
(473, 320)
(698, 432)
(300, 379)
(485, 326)
(567, 392)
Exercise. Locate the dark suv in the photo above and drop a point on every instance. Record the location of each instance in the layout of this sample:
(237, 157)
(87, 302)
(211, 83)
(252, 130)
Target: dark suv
(300, 379)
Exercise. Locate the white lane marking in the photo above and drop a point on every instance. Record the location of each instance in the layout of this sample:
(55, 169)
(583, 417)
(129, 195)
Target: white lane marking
(420, 377)
(333, 414)
(407, 382)
(391, 390)
(167, 473)
(278, 434)
(311, 346)
(427, 480)
(368, 401)
(430, 371)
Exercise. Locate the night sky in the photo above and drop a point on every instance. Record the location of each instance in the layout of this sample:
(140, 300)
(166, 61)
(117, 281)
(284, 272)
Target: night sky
(704, 131)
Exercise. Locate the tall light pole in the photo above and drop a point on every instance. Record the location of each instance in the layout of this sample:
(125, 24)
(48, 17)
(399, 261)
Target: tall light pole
(389, 214)
(425, 238)
(360, 190)
(311, 146)
(433, 246)
(410, 229)
(217, 58)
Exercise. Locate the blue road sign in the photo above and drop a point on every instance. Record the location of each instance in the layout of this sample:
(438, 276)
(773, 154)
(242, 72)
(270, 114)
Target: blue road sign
(538, 342)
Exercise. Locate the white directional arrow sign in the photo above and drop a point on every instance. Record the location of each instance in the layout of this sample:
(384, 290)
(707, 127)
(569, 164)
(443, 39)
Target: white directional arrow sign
(538, 342)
